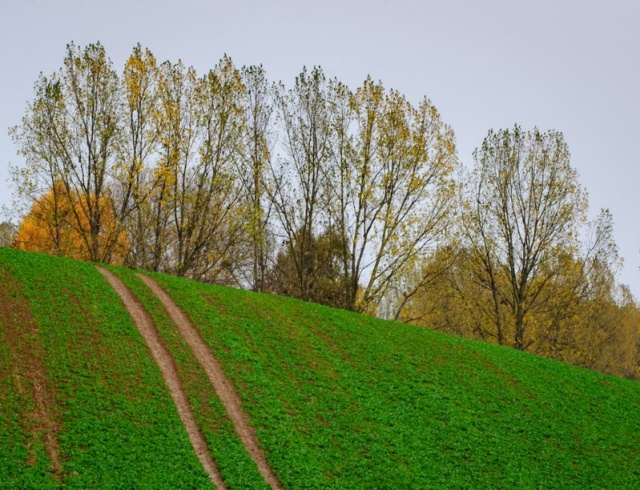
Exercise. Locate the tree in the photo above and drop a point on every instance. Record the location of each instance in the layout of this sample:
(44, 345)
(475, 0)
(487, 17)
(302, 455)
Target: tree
(39, 232)
(137, 154)
(7, 233)
(69, 141)
(298, 182)
(325, 272)
(523, 209)
(256, 159)
(391, 194)
(200, 123)
(583, 317)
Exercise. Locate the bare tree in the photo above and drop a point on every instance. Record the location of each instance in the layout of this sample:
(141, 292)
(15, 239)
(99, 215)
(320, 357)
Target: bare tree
(297, 183)
(258, 139)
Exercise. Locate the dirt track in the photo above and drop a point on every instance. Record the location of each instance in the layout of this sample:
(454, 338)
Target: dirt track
(20, 333)
(222, 386)
(162, 356)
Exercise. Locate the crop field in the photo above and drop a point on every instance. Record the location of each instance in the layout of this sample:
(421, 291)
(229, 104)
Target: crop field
(347, 401)
(115, 423)
(235, 464)
(337, 400)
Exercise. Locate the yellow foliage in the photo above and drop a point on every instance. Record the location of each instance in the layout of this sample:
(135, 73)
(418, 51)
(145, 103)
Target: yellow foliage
(53, 227)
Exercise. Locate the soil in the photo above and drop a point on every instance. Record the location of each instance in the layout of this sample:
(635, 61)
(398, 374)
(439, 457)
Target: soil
(220, 383)
(162, 356)
(30, 373)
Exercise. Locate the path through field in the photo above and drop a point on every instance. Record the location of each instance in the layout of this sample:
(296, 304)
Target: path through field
(163, 357)
(220, 383)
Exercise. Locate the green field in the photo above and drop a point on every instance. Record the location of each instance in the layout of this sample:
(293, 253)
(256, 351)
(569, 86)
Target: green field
(338, 400)
(118, 427)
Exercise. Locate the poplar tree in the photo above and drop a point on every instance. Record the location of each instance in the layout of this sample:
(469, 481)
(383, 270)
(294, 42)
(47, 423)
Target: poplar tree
(523, 211)
(69, 136)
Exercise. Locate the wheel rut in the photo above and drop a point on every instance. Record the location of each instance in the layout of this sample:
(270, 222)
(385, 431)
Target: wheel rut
(163, 358)
(220, 383)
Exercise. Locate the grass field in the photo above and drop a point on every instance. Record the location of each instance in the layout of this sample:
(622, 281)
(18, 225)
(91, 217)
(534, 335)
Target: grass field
(338, 400)
(233, 461)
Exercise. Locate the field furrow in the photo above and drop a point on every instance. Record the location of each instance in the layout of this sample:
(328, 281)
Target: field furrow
(162, 356)
(220, 383)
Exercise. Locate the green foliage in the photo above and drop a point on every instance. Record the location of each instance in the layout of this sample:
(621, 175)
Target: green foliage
(14, 439)
(322, 263)
(235, 464)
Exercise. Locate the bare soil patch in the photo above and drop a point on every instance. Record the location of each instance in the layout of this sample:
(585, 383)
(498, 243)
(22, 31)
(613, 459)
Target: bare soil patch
(220, 383)
(30, 373)
(163, 357)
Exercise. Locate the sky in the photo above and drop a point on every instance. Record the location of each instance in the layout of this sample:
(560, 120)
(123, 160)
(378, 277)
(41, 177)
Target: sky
(566, 65)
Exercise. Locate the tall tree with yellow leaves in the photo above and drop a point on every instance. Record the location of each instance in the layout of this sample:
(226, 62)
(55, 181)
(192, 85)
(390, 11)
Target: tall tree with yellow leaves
(524, 206)
(196, 189)
(391, 193)
(137, 155)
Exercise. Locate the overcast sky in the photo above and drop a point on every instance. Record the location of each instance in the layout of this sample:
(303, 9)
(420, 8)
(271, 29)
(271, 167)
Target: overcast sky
(569, 65)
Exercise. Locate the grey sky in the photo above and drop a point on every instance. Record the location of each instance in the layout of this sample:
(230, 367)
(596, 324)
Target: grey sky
(570, 65)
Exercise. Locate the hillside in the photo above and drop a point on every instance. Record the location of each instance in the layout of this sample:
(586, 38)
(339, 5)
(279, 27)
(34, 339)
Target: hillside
(335, 399)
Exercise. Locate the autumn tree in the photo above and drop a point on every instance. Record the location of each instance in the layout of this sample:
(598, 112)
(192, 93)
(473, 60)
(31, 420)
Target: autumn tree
(39, 232)
(138, 146)
(214, 232)
(391, 192)
(200, 123)
(298, 181)
(584, 317)
(69, 137)
(588, 318)
(526, 271)
(523, 210)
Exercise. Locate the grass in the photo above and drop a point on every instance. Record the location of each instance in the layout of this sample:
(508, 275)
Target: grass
(235, 464)
(20, 439)
(338, 400)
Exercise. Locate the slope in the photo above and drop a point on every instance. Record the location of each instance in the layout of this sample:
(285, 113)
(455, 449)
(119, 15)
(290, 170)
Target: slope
(337, 400)
(105, 406)
(345, 401)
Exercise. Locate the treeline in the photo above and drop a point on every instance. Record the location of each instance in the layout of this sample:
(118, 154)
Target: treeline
(348, 197)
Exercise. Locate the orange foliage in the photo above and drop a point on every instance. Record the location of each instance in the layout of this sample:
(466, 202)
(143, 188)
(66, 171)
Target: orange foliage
(52, 227)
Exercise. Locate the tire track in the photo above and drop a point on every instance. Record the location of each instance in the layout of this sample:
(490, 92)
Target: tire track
(220, 383)
(162, 356)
